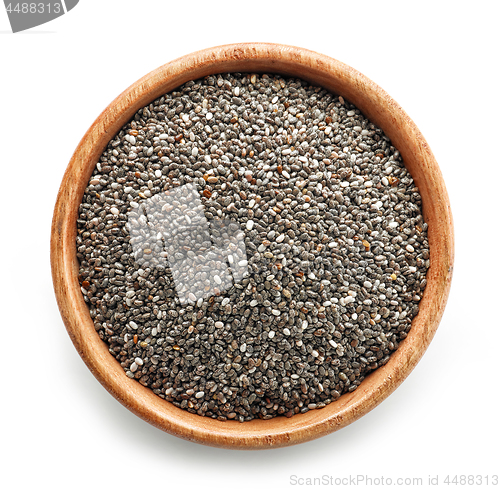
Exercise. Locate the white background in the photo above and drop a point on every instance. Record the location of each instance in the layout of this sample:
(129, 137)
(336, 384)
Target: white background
(439, 60)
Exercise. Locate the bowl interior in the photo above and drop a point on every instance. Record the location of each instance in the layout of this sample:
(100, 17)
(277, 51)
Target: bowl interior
(376, 106)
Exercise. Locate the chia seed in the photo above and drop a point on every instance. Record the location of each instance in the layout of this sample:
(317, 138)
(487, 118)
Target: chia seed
(251, 246)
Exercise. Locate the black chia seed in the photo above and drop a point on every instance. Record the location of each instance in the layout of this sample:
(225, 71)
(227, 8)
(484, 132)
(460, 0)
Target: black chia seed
(251, 246)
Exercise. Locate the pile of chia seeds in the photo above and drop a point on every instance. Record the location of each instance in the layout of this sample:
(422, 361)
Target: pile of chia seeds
(251, 246)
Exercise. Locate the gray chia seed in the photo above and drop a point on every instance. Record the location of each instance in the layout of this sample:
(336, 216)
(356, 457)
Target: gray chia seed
(251, 246)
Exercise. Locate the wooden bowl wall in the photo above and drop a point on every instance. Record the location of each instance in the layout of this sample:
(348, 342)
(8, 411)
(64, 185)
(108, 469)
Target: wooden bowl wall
(380, 109)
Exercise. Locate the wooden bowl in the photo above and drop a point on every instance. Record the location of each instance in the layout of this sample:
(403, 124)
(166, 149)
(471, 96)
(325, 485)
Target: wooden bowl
(380, 109)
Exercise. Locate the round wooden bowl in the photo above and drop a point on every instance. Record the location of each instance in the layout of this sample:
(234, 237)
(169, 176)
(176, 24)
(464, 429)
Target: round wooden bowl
(380, 109)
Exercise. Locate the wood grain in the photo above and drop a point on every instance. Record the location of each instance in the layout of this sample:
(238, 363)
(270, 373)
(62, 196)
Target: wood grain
(380, 109)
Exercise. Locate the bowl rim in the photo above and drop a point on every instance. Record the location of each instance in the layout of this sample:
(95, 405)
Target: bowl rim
(375, 104)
